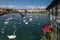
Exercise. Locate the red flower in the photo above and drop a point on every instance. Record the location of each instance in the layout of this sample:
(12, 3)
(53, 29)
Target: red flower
(46, 28)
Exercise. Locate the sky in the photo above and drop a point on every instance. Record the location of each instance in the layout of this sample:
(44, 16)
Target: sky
(25, 3)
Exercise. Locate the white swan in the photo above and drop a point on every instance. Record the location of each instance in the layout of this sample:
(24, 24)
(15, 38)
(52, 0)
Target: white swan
(6, 22)
(26, 22)
(30, 19)
(3, 30)
(12, 36)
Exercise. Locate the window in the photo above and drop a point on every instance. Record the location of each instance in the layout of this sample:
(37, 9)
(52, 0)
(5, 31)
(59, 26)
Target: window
(58, 14)
(58, 20)
(51, 14)
(54, 13)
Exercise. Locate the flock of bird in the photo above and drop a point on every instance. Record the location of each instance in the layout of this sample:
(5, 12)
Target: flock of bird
(13, 36)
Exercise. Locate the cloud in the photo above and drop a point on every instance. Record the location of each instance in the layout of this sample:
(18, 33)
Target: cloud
(9, 6)
(30, 6)
(21, 7)
(40, 7)
(3, 6)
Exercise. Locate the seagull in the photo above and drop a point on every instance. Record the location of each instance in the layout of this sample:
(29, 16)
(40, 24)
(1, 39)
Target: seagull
(12, 36)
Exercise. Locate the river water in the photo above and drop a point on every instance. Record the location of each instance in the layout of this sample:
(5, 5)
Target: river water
(27, 26)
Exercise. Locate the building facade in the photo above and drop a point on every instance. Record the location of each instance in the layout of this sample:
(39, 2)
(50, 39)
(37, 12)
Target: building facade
(54, 11)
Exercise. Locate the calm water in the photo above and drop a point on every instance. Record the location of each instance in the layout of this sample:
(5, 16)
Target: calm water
(27, 27)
